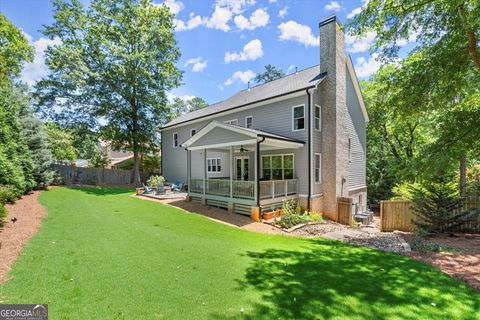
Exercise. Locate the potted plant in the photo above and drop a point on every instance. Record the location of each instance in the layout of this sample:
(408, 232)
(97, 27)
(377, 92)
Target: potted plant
(156, 181)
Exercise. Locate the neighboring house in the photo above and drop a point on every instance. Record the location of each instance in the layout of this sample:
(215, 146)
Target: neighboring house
(301, 136)
(117, 158)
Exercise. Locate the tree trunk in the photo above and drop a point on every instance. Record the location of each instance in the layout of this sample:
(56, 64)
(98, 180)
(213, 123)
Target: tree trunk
(136, 168)
(463, 177)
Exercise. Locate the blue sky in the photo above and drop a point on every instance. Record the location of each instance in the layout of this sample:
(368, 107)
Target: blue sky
(224, 43)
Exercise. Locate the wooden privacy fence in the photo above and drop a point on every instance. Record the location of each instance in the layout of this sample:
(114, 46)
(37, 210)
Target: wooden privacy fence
(399, 214)
(95, 176)
(344, 211)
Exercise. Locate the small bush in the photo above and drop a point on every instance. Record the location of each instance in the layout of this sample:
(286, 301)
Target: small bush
(3, 214)
(155, 181)
(8, 194)
(291, 215)
(314, 216)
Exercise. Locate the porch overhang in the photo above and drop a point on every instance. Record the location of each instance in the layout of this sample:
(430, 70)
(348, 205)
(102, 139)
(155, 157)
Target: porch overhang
(218, 135)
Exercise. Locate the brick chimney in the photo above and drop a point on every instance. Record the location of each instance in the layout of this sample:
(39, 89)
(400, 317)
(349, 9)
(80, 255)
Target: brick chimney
(335, 160)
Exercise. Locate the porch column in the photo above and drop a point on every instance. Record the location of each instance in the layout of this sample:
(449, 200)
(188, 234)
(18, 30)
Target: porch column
(204, 171)
(189, 170)
(256, 156)
(231, 172)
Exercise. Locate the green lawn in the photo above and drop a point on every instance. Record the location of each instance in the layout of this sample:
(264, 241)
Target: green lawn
(102, 254)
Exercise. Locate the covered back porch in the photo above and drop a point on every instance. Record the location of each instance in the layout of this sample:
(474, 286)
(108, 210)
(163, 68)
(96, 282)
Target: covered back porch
(228, 166)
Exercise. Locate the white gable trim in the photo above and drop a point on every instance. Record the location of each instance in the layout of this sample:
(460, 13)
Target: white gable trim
(354, 78)
(212, 125)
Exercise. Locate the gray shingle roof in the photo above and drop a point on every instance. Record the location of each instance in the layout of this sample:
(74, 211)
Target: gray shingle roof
(293, 82)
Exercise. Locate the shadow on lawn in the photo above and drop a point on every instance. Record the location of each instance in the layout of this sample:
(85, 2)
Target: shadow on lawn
(330, 279)
(102, 190)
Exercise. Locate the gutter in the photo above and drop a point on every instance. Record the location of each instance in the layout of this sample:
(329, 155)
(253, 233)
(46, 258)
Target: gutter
(309, 139)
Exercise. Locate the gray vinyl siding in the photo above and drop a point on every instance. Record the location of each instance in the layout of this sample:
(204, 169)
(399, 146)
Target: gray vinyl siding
(219, 136)
(357, 135)
(274, 118)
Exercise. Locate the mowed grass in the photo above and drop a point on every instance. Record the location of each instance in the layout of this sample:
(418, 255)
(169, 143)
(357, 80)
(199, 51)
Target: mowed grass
(102, 254)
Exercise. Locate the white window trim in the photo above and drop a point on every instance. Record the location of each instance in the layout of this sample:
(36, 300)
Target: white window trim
(278, 154)
(319, 167)
(173, 140)
(217, 160)
(319, 118)
(293, 118)
(230, 122)
(191, 135)
(248, 117)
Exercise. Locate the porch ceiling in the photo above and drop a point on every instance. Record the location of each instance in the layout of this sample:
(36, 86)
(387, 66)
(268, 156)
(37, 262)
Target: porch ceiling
(217, 135)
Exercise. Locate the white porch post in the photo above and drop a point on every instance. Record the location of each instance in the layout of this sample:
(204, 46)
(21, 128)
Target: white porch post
(189, 170)
(256, 155)
(204, 171)
(231, 171)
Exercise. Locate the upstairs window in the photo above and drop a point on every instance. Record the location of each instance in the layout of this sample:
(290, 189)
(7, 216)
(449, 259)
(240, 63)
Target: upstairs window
(249, 122)
(232, 122)
(298, 114)
(318, 118)
(175, 140)
(214, 165)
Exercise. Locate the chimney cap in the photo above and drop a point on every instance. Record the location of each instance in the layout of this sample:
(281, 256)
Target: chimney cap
(329, 19)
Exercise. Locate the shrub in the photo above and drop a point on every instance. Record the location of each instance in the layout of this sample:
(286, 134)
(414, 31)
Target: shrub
(3, 214)
(291, 215)
(437, 205)
(8, 194)
(156, 181)
(314, 216)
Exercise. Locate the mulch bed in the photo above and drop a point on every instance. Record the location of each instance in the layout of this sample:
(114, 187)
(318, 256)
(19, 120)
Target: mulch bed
(13, 236)
(462, 261)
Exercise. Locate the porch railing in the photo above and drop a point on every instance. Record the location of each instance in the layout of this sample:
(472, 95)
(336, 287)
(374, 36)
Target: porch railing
(272, 189)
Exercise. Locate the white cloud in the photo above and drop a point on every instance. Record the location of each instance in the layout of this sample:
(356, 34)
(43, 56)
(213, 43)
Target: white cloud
(295, 31)
(283, 12)
(259, 18)
(333, 6)
(354, 12)
(243, 76)
(192, 23)
(251, 51)
(36, 70)
(219, 19)
(360, 44)
(236, 6)
(365, 68)
(197, 64)
(412, 37)
(171, 96)
(174, 6)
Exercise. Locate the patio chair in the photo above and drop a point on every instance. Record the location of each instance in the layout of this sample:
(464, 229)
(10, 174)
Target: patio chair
(146, 189)
(177, 187)
(160, 189)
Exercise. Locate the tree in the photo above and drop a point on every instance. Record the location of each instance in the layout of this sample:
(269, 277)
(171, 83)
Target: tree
(14, 50)
(271, 73)
(116, 61)
(181, 106)
(442, 73)
(61, 142)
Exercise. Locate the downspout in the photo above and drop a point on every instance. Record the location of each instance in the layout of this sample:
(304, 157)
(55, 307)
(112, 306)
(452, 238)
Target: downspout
(309, 140)
(258, 172)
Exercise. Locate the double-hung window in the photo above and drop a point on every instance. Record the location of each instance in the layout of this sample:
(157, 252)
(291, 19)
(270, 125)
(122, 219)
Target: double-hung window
(298, 114)
(214, 165)
(277, 167)
(175, 140)
(318, 118)
(249, 122)
(318, 168)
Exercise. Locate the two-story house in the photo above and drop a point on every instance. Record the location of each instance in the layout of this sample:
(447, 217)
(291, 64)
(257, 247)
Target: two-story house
(301, 136)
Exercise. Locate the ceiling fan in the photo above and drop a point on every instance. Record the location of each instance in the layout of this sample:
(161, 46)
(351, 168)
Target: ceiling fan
(242, 149)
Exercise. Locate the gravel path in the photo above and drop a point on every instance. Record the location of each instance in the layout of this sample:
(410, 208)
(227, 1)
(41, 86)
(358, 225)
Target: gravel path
(367, 236)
